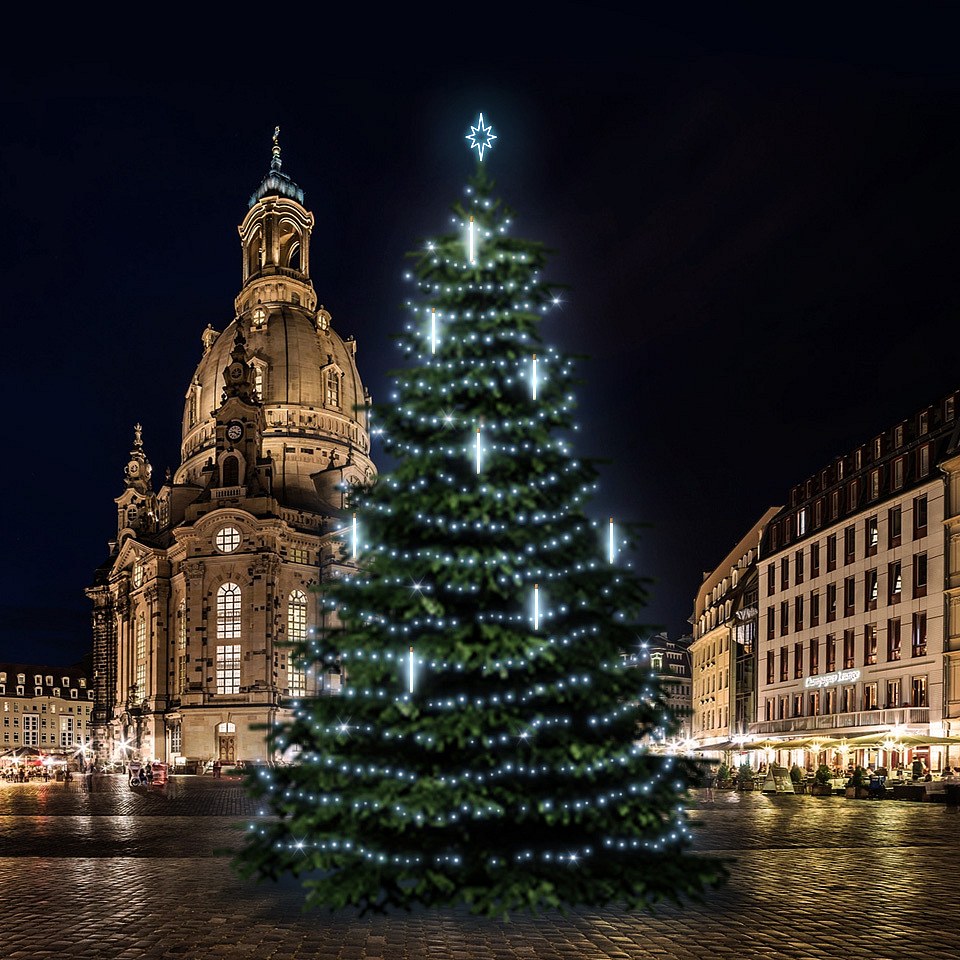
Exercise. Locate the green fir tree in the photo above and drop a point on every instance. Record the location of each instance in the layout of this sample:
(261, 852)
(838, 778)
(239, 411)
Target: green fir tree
(490, 744)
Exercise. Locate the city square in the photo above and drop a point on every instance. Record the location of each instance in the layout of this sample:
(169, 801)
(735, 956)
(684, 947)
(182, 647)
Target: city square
(113, 872)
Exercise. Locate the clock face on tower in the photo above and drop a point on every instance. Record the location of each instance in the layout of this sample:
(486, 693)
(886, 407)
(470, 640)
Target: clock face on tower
(234, 431)
(236, 371)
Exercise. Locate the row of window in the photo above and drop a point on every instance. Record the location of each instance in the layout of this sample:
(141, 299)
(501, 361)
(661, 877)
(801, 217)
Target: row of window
(39, 679)
(331, 394)
(849, 699)
(868, 548)
(20, 691)
(229, 617)
(849, 498)
(808, 608)
(845, 646)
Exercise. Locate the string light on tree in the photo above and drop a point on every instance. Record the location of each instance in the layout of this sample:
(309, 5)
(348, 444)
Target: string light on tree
(520, 769)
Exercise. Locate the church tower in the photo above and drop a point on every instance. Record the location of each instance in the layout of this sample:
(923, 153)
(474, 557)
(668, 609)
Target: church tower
(211, 577)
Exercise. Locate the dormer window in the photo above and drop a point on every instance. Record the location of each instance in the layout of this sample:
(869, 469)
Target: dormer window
(49, 680)
(21, 678)
(66, 681)
(333, 387)
(923, 423)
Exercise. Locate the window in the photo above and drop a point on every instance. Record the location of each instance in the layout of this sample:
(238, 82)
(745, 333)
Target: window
(771, 579)
(848, 703)
(771, 623)
(798, 567)
(176, 739)
(871, 588)
(137, 573)
(849, 650)
(849, 544)
(898, 472)
(919, 638)
(874, 484)
(831, 552)
(768, 708)
(898, 436)
(798, 613)
(259, 371)
(228, 668)
(831, 602)
(814, 656)
(919, 691)
(893, 526)
(802, 522)
(230, 471)
(814, 608)
(894, 582)
(818, 513)
(853, 494)
(849, 596)
(140, 692)
(923, 422)
(66, 732)
(770, 667)
(948, 409)
(784, 573)
(141, 637)
(31, 730)
(784, 617)
(870, 701)
(834, 504)
(182, 648)
(893, 694)
(227, 539)
(873, 536)
(797, 705)
(893, 640)
(919, 574)
(333, 388)
(919, 517)
(297, 630)
(923, 461)
(870, 644)
(228, 612)
(814, 559)
(797, 661)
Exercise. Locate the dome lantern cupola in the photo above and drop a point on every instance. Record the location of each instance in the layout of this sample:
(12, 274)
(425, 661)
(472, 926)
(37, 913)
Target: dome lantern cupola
(275, 239)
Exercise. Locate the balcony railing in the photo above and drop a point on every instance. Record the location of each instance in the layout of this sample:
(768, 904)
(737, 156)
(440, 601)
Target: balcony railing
(845, 721)
(224, 493)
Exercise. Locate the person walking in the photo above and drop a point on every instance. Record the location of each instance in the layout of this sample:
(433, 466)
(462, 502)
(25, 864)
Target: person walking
(216, 768)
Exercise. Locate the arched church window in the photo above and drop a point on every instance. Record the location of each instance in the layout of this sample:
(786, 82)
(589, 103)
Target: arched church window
(230, 472)
(297, 633)
(333, 388)
(255, 252)
(293, 257)
(228, 612)
(259, 379)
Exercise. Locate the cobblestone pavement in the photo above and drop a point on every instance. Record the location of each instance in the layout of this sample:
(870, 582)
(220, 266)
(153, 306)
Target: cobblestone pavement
(118, 873)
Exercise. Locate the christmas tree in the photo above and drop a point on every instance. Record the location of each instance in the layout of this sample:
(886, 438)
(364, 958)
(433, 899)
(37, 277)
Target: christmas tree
(491, 743)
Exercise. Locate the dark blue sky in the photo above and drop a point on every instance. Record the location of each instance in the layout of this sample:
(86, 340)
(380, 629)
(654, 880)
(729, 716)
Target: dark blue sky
(756, 220)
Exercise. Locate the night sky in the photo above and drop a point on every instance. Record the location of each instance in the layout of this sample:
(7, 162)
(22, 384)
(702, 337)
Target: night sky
(756, 221)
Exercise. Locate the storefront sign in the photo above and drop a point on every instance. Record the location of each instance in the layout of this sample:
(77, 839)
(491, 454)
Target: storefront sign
(829, 679)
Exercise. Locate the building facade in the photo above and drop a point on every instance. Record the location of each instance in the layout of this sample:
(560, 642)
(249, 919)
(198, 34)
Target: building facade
(47, 708)
(670, 661)
(723, 651)
(856, 574)
(211, 577)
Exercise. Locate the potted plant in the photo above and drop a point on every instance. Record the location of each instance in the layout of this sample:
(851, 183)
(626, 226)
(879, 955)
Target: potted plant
(723, 775)
(745, 777)
(821, 786)
(799, 779)
(857, 786)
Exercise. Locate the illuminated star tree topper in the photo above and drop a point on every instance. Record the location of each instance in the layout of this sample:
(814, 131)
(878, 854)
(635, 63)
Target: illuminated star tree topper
(481, 137)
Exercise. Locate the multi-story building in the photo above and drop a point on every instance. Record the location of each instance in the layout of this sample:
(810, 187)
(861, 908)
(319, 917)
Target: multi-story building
(723, 651)
(670, 661)
(210, 580)
(49, 708)
(853, 638)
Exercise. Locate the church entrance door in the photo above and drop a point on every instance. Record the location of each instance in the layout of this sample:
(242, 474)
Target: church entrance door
(228, 748)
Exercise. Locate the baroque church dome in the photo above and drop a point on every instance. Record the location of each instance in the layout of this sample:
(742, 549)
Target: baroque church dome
(304, 373)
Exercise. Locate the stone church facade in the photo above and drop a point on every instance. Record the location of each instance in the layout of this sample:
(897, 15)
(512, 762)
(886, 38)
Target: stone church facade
(212, 576)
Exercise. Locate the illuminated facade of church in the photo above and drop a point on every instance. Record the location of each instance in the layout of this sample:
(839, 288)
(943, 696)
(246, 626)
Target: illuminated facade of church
(211, 577)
